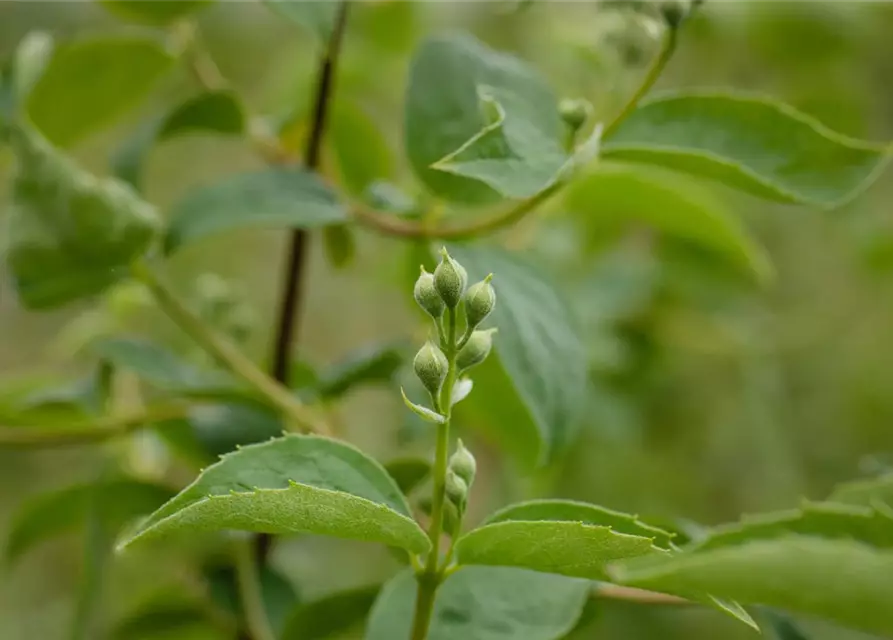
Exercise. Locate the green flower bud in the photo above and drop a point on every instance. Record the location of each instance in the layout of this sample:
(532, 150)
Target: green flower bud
(456, 490)
(575, 112)
(675, 12)
(431, 367)
(462, 463)
(426, 295)
(449, 280)
(479, 302)
(476, 349)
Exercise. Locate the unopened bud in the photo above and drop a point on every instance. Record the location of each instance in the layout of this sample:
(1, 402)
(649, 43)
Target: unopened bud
(426, 295)
(456, 490)
(575, 112)
(431, 367)
(450, 280)
(462, 463)
(675, 12)
(479, 302)
(476, 349)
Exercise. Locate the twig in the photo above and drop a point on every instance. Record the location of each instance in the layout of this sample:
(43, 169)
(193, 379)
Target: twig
(250, 592)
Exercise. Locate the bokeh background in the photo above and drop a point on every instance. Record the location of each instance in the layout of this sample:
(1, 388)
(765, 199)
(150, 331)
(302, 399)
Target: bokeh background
(712, 395)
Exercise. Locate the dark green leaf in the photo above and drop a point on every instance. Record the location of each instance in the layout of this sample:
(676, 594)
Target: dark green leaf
(70, 235)
(753, 144)
(616, 195)
(96, 80)
(340, 244)
(163, 616)
(279, 595)
(317, 17)
(330, 616)
(408, 473)
(841, 580)
(296, 484)
(445, 115)
(370, 365)
(52, 514)
(564, 547)
(783, 627)
(212, 112)
(590, 514)
(154, 12)
(271, 198)
(484, 603)
(540, 348)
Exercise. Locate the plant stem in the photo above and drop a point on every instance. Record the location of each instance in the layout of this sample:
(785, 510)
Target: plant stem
(668, 47)
(250, 591)
(88, 432)
(431, 576)
(292, 293)
(230, 356)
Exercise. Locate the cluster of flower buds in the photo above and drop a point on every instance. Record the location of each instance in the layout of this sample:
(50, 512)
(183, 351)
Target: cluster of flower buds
(460, 476)
(447, 290)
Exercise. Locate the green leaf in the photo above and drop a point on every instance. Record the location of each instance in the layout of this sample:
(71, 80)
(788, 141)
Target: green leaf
(296, 484)
(210, 112)
(212, 430)
(458, 146)
(59, 512)
(70, 234)
(616, 194)
(827, 520)
(273, 198)
(317, 17)
(362, 151)
(540, 348)
(484, 603)
(756, 145)
(876, 491)
(96, 80)
(567, 548)
(330, 616)
(31, 58)
(155, 12)
(340, 244)
(841, 580)
(372, 364)
(569, 510)
(279, 596)
(424, 413)
(783, 627)
(166, 615)
(408, 473)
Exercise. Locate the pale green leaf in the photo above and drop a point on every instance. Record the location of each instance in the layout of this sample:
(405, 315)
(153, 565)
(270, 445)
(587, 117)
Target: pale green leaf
(408, 473)
(273, 198)
(567, 548)
(59, 512)
(296, 484)
(96, 80)
(70, 235)
(827, 520)
(617, 194)
(361, 149)
(154, 12)
(841, 580)
(484, 603)
(211, 112)
(874, 491)
(753, 144)
(317, 17)
(572, 511)
(461, 390)
(31, 58)
(423, 412)
(444, 114)
(540, 348)
(330, 616)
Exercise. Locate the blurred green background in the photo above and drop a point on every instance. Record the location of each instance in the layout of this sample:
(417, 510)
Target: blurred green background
(712, 396)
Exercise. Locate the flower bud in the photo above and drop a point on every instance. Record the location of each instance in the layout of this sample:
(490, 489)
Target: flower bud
(426, 295)
(479, 302)
(456, 490)
(675, 12)
(575, 112)
(476, 349)
(462, 463)
(431, 367)
(450, 280)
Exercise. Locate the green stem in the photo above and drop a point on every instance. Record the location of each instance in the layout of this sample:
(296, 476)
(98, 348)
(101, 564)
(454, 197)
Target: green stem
(88, 432)
(230, 356)
(250, 591)
(430, 578)
(668, 47)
